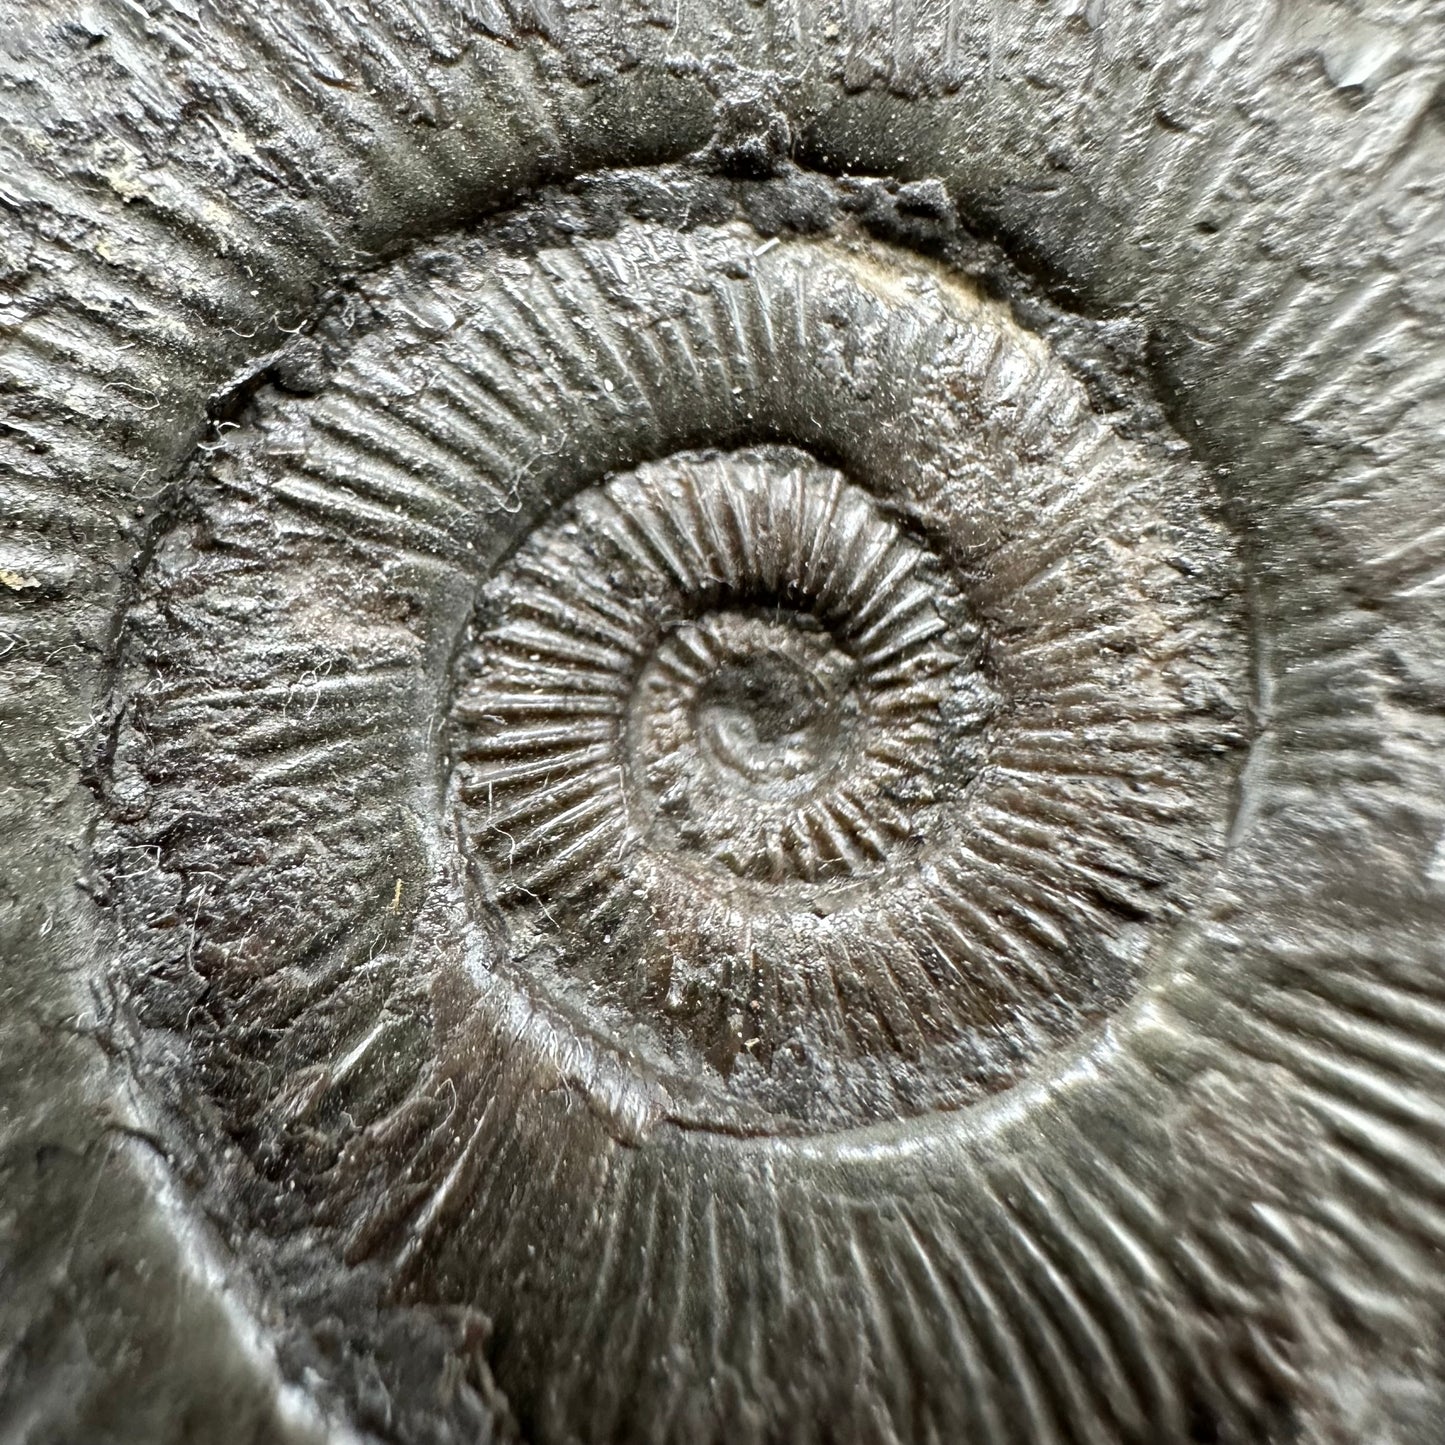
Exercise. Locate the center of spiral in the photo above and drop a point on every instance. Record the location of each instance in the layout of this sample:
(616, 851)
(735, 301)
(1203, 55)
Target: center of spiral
(741, 724)
(775, 720)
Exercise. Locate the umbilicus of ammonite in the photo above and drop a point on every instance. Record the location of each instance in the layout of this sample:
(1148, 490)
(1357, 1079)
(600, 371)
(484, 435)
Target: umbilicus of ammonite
(726, 723)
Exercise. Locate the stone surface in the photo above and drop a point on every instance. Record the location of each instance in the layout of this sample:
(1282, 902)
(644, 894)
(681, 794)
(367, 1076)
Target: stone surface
(721, 723)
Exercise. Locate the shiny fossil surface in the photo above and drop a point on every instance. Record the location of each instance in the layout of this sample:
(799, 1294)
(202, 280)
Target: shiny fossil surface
(746, 704)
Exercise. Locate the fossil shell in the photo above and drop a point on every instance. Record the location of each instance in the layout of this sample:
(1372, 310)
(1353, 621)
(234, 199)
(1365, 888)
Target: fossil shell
(747, 702)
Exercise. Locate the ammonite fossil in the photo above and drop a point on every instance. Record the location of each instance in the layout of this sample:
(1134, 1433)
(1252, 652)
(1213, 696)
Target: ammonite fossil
(722, 722)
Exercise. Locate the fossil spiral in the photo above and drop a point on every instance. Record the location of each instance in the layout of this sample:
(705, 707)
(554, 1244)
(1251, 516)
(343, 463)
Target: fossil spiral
(747, 702)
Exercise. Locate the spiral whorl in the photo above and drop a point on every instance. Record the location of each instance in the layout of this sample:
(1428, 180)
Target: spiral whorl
(825, 723)
(720, 740)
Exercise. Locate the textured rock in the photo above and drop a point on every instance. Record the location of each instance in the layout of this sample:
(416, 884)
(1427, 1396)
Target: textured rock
(721, 722)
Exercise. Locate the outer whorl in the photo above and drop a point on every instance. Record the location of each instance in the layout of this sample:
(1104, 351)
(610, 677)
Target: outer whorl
(746, 703)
